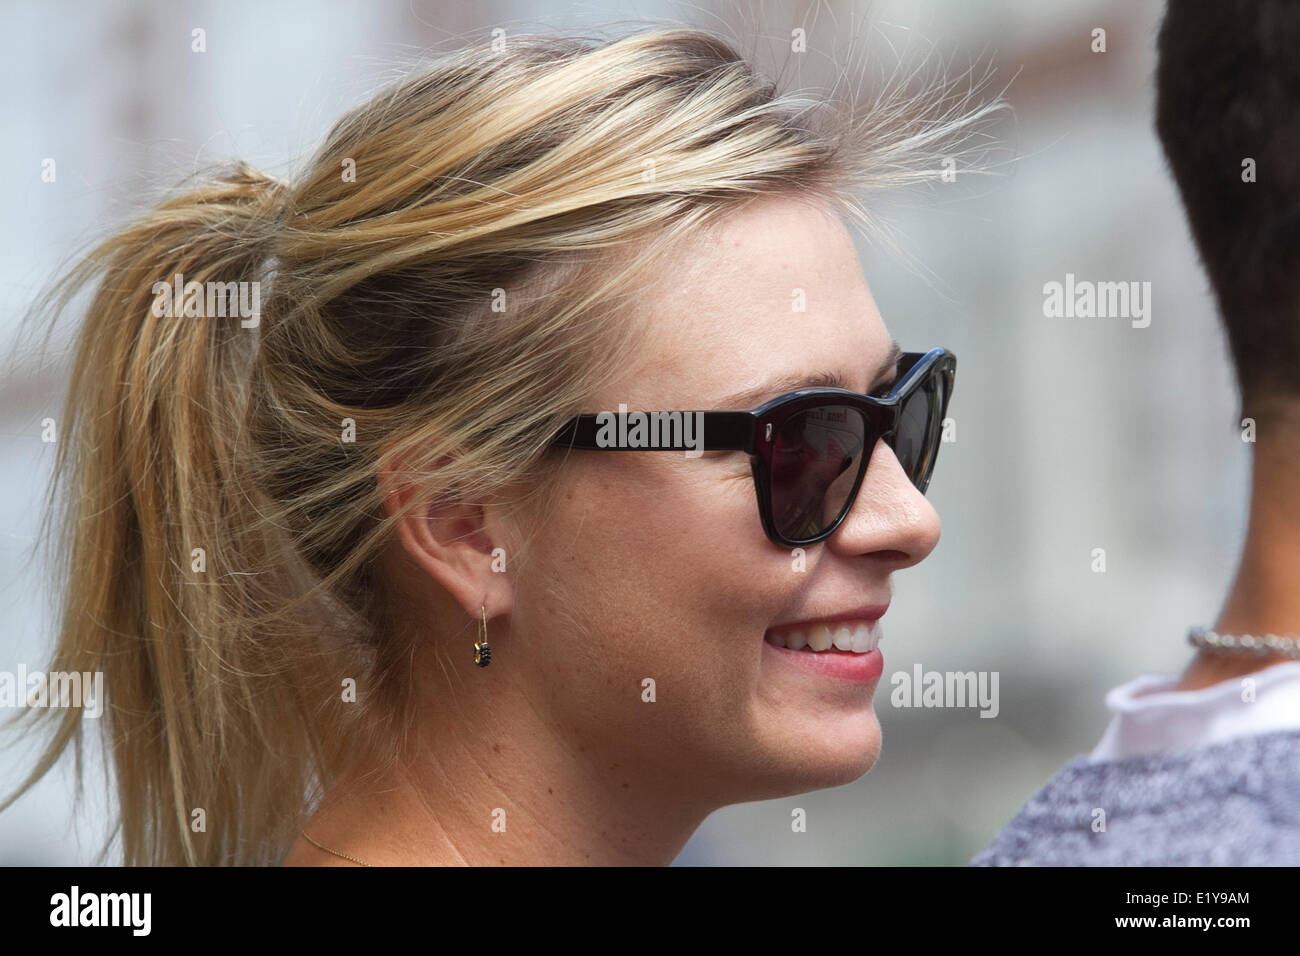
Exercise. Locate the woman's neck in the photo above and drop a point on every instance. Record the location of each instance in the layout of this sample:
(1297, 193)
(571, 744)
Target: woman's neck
(1265, 595)
(502, 788)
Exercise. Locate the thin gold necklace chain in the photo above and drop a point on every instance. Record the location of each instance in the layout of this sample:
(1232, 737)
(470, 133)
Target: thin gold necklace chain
(344, 856)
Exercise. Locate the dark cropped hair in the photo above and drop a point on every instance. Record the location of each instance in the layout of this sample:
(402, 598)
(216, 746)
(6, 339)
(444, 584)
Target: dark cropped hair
(1228, 91)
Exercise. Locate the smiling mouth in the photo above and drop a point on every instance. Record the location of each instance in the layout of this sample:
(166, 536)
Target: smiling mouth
(854, 637)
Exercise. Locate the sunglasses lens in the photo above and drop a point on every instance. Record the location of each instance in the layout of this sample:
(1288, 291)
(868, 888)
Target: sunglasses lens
(916, 442)
(816, 457)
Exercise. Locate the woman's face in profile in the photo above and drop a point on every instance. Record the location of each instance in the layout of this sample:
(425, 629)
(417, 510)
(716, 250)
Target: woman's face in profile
(654, 566)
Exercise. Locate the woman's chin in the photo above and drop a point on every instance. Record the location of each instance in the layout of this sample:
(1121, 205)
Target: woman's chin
(847, 762)
(838, 756)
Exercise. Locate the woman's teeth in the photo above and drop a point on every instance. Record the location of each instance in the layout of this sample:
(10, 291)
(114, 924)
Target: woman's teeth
(857, 637)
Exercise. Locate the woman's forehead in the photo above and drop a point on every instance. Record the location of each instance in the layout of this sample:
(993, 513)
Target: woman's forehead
(775, 291)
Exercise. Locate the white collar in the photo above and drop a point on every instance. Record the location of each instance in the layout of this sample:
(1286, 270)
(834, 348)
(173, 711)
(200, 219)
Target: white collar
(1151, 718)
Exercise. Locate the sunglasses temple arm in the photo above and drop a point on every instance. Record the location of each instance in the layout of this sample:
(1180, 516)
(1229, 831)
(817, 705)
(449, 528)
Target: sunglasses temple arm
(722, 431)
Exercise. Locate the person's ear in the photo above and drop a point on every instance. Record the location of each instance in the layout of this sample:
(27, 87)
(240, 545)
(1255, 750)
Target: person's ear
(448, 538)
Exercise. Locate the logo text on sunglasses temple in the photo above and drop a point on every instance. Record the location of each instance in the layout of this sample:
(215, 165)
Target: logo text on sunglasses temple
(626, 429)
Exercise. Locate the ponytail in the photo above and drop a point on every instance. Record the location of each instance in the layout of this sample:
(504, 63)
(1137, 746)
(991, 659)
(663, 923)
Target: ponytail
(148, 493)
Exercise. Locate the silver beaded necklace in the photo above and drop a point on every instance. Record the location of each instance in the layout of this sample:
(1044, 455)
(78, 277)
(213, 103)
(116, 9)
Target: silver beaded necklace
(1267, 645)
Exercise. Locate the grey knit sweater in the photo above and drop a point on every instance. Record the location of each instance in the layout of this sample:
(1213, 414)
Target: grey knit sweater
(1230, 804)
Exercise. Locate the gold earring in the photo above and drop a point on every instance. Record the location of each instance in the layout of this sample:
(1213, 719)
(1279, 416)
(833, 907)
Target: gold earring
(482, 651)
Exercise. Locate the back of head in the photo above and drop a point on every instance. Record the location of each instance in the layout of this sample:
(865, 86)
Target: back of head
(1227, 86)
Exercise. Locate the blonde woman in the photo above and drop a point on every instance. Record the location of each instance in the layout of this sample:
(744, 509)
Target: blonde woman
(379, 572)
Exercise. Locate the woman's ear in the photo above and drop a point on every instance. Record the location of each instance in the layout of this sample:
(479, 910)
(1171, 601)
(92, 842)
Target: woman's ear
(447, 538)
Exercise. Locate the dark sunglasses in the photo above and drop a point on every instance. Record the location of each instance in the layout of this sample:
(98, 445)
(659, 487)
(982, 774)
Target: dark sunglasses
(809, 448)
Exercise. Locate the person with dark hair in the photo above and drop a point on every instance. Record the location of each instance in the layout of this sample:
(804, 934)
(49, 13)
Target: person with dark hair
(1204, 769)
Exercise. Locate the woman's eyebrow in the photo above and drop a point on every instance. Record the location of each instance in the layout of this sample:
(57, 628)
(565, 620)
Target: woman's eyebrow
(888, 367)
(820, 379)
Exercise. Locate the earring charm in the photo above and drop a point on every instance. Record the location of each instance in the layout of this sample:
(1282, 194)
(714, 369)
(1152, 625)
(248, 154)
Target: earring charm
(482, 650)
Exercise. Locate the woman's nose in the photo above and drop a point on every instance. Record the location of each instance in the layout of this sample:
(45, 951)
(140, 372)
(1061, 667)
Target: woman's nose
(890, 519)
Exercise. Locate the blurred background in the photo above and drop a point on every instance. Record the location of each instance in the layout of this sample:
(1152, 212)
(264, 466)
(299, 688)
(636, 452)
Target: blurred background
(1071, 434)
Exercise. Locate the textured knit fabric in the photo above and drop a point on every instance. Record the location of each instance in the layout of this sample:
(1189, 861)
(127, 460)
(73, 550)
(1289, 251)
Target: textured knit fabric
(1230, 804)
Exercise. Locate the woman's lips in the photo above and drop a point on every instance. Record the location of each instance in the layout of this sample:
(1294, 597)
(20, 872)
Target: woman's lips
(857, 636)
(867, 612)
(844, 665)
(841, 645)
(814, 630)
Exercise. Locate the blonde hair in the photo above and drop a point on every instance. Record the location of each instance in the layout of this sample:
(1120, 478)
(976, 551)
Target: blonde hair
(219, 539)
